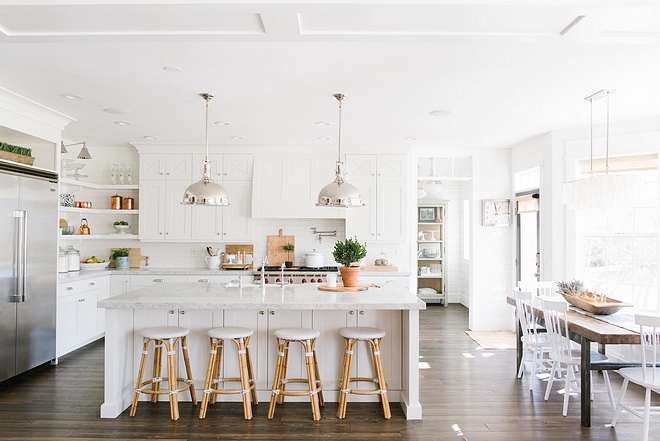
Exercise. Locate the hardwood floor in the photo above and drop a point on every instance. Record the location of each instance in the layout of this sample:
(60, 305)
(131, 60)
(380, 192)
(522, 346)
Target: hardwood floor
(464, 392)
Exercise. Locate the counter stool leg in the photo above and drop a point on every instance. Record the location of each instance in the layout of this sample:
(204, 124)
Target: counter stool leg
(311, 379)
(215, 384)
(319, 387)
(344, 383)
(157, 368)
(138, 384)
(245, 384)
(382, 385)
(171, 373)
(276, 381)
(209, 379)
(189, 378)
(255, 400)
(285, 367)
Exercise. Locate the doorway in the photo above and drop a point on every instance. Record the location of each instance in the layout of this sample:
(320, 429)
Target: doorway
(529, 253)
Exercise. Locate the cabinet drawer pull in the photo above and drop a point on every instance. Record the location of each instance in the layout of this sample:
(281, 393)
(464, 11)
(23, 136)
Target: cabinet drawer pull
(159, 280)
(69, 288)
(91, 284)
(204, 280)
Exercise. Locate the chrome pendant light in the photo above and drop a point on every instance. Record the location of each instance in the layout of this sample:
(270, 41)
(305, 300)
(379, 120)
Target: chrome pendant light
(205, 192)
(339, 193)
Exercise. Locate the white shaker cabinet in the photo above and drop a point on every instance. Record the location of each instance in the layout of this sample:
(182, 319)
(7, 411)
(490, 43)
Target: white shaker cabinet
(233, 222)
(288, 186)
(382, 181)
(163, 181)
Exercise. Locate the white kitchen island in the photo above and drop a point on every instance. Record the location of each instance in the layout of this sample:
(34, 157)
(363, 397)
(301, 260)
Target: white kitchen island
(201, 307)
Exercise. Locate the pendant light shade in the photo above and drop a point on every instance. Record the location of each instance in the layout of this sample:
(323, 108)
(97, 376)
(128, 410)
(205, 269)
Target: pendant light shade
(205, 191)
(339, 193)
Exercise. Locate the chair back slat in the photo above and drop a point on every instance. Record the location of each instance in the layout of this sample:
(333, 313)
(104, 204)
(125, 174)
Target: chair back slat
(525, 313)
(649, 331)
(555, 313)
(542, 288)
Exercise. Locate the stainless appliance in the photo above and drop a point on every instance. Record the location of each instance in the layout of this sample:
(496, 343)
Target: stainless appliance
(28, 267)
(303, 274)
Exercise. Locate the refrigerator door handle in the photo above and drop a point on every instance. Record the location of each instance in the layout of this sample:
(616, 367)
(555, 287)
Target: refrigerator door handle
(20, 257)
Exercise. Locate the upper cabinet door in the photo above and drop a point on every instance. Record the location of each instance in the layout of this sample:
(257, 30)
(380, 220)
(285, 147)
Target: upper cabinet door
(392, 167)
(152, 167)
(360, 167)
(237, 167)
(179, 167)
(157, 166)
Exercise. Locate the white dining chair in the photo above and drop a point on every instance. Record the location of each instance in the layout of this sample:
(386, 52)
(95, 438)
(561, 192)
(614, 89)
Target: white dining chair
(539, 288)
(646, 376)
(531, 337)
(555, 313)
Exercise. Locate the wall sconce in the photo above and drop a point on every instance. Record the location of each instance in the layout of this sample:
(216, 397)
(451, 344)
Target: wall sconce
(84, 153)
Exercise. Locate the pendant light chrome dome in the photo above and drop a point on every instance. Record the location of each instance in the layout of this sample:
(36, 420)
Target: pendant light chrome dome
(205, 192)
(339, 193)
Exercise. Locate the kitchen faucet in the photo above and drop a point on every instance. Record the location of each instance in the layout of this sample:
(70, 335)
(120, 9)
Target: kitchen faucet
(282, 275)
(264, 262)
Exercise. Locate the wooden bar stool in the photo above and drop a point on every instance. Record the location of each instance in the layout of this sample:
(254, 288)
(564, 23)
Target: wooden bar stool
(351, 337)
(307, 338)
(240, 336)
(167, 337)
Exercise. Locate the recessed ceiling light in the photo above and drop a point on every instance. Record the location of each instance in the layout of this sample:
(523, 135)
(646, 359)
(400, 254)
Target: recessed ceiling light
(236, 137)
(150, 137)
(410, 138)
(442, 112)
(222, 123)
(323, 138)
(172, 69)
(71, 96)
(323, 123)
(117, 111)
(123, 123)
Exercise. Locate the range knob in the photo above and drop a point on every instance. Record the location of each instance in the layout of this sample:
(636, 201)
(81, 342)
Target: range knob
(266, 281)
(278, 280)
(304, 280)
(319, 280)
(290, 281)
(312, 280)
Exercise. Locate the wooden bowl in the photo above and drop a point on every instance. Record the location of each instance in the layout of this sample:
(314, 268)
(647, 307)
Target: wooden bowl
(609, 307)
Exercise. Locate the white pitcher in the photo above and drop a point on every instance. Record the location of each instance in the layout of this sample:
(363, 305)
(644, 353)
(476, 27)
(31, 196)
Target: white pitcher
(213, 262)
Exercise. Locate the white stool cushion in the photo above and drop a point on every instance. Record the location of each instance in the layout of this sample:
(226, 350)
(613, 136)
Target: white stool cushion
(362, 333)
(229, 332)
(297, 333)
(163, 332)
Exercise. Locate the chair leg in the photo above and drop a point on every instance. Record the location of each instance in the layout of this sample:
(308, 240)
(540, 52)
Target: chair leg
(608, 386)
(209, 379)
(647, 415)
(143, 362)
(534, 366)
(551, 380)
(522, 361)
(189, 377)
(619, 404)
(382, 385)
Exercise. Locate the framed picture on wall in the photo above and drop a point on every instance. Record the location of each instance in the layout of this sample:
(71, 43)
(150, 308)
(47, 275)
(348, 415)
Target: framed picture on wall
(496, 212)
(427, 214)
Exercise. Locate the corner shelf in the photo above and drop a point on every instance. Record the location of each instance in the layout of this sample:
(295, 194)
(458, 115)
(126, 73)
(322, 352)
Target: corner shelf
(96, 210)
(83, 184)
(114, 236)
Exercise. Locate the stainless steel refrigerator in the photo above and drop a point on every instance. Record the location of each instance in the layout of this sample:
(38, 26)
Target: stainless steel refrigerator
(28, 267)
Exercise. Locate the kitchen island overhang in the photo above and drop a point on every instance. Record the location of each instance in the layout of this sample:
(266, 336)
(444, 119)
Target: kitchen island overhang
(202, 306)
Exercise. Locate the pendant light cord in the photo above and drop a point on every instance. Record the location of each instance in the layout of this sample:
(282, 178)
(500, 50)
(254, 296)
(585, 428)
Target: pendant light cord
(340, 97)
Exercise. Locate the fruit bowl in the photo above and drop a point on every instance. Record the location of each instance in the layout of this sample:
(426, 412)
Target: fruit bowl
(94, 266)
(121, 229)
(610, 306)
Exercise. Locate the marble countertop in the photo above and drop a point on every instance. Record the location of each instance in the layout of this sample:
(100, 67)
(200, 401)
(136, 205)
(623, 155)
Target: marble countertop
(192, 295)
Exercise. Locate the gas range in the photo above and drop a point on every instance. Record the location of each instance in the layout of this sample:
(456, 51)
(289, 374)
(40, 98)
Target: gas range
(295, 275)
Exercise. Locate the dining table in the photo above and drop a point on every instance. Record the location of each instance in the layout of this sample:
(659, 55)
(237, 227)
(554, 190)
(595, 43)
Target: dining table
(586, 328)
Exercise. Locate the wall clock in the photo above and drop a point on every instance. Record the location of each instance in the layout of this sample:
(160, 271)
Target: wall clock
(496, 212)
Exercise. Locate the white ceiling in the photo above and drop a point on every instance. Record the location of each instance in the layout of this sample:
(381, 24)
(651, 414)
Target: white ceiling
(509, 70)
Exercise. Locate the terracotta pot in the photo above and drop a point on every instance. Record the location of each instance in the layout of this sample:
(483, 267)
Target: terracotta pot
(349, 275)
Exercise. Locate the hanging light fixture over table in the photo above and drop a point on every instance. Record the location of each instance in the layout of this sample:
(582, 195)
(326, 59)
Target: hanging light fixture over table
(205, 192)
(339, 193)
(598, 191)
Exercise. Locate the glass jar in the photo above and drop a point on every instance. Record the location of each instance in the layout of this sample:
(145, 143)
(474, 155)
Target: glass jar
(73, 259)
(62, 261)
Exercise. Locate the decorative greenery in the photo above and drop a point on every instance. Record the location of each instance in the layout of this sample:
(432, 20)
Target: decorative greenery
(573, 288)
(289, 248)
(121, 252)
(121, 223)
(349, 251)
(24, 151)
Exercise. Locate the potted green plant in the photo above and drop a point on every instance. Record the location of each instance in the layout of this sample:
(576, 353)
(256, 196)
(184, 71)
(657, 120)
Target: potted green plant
(289, 248)
(120, 256)
(349, 252)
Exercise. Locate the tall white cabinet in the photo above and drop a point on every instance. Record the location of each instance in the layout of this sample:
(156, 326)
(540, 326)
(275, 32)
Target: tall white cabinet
(382, 181)
(431, 251)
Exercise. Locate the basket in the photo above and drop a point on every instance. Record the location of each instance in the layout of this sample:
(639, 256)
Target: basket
(14, 157)
(609, 307)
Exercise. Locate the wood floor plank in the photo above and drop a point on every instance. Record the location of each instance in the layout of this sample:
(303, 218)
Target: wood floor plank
(465, 391)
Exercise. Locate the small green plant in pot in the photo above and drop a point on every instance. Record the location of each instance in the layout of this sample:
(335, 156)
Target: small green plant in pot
(289, 248)
(349, 252)
(120, 256)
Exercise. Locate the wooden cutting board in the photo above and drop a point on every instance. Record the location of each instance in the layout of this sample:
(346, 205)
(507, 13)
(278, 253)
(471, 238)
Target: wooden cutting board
(276, 255)
(135, 255)
(342, 288)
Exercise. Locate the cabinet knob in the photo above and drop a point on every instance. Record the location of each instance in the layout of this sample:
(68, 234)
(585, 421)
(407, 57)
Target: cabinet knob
(225, 234)
(182, 312)
(69, 288)
(171, 311)
(272, 313)
(160, 232)
(158, 280)
(351, 312)
(361, 312)
(91, 284)
(262, 312)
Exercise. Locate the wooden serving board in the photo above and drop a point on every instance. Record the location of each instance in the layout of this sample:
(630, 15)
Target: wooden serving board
(276, 255)
(135, 255)
(379, 268)
(234, 249)
(342, 288)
